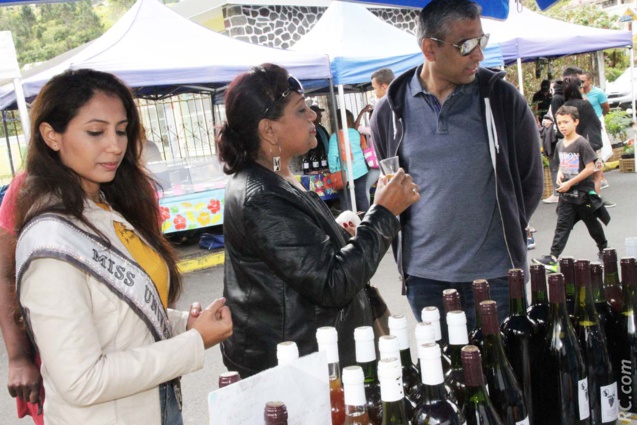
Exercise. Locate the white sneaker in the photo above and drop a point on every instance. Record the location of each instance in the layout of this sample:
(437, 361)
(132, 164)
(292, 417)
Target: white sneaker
(604, 184)
(553, 199)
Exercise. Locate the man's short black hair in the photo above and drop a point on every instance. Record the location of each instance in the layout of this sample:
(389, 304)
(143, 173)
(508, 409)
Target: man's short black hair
(434, 18)
(572, 71)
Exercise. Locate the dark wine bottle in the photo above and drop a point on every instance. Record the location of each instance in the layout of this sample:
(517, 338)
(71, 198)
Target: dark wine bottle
(391, 391)
(275, 413)
(306, 165)
(323, 162)
(227, 378)
(355, 402)
(607, 319)
(431, 314)
(458, 338)
(478, 409)
(411, 380)
(480, 288)
(316, 162)
(602, 387)
(539, 309)
(567, 268)
(505, 392)
(520, 335)
(626, 342)
(564, 398)
(366, 359)
(612, 286)
(389, 348)
(450, 302)
(327, 339)
(434, 407)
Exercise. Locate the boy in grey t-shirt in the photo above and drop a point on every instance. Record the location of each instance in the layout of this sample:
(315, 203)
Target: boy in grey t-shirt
(578, 199)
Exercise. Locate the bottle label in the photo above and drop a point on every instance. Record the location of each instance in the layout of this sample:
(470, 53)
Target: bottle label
(315, 164)
(582, 396)
(524, 421)
(609, 402)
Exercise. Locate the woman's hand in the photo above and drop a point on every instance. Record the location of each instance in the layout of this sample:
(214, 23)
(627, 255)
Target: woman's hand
(24, 380)
(195, 311)
(214, 323)
(396, 193)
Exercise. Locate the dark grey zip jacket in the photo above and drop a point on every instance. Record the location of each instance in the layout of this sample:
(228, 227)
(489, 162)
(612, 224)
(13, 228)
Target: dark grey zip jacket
(514, 146)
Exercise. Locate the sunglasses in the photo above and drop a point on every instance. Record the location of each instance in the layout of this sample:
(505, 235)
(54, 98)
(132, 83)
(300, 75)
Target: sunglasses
(293, 85)
(467, 46)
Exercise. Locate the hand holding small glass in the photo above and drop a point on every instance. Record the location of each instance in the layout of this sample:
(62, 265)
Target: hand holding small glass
(389, 166)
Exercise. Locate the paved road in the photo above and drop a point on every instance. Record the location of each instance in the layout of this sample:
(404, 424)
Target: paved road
(207, 285)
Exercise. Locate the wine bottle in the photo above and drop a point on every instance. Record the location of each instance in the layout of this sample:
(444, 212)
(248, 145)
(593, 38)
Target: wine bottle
(626, 342)
(286, 352)
(323, 162)
(431, 314)
(612, 286)
(478, 409)
(355, 402)
(389, 348)
(539, 309)
(603, 308)
(480, 288)
(424, 333)
(450, 302)
(520, 338)
(327, 339)
(306, 165)
(316, 162)
(366, 359)
(505, 391)
(602, 386)
(434, 407)
(275, 413)
(564, 398)
(458, 338)
(567, 268)
(391, 391)
(227, 378)
(398, 327)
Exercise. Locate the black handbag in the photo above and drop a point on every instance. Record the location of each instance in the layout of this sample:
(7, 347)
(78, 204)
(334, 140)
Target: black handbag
(380, 311)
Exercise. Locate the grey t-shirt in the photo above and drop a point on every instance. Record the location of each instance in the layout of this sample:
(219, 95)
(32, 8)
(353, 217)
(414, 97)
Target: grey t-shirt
(454, 232)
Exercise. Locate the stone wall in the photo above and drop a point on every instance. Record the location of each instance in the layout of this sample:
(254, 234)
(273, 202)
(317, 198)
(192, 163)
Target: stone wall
(282, 26)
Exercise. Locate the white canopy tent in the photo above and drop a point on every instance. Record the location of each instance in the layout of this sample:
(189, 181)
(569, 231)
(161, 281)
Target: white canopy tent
(152, 46)
(10, 75)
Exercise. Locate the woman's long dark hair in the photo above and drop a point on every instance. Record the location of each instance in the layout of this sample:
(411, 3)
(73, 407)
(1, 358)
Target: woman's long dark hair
(247, 98)
(131, 192)
(571, 88)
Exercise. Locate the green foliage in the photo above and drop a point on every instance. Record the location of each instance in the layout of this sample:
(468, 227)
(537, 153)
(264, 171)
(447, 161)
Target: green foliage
(43, 32)
(618, 123)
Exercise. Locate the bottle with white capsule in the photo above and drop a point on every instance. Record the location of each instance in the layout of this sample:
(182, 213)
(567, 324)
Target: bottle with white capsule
(391, 390)
(366, 359)
(411, 380)
(355, 402)
(431, 314)
(389, 348)
(286, 352)
(424, 333)
(458, 338)
(327, 339)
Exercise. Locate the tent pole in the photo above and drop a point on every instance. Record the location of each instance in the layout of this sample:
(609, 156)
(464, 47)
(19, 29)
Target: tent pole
(348, 150)
(520, 78)
(22, 107)
(632, 79)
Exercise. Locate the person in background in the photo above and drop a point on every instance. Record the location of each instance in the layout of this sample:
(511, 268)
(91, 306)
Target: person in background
(95, 276)
(472, 145)
(150, 152)
(599, 100)
(556, 102)
(290, 267)
(380, 81)
(578, 200)
(322, 135)
(24, 381)
(336, 159)
(542, 100)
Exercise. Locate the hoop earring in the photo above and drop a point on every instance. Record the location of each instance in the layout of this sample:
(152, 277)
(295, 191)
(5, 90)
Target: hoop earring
(276, 160)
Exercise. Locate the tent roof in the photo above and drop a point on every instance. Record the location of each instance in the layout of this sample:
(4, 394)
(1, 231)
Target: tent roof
(152, 46)
(529, 35)
(359, 43)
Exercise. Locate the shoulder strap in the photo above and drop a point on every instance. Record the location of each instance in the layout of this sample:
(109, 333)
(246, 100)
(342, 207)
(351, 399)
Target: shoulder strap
(52, 236)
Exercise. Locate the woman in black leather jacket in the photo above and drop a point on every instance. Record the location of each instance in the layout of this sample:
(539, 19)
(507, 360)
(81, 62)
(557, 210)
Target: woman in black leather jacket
(289, 267)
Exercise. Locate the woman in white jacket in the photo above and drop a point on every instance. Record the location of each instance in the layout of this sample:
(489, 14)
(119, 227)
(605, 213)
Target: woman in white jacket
(95, 276)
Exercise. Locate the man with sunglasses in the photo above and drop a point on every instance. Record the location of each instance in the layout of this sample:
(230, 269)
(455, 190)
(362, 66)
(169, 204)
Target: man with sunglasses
(471, 143)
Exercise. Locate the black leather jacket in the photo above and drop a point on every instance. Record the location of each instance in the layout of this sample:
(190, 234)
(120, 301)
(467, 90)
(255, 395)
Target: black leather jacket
(291, 269)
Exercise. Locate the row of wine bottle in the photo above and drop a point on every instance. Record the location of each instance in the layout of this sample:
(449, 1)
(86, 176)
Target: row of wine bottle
(314, 162)
(570, 358)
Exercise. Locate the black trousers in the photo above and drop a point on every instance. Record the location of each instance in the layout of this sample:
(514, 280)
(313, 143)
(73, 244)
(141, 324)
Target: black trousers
(568, 215)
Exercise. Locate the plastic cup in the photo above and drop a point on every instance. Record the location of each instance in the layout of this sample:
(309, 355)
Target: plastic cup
(389, 166)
